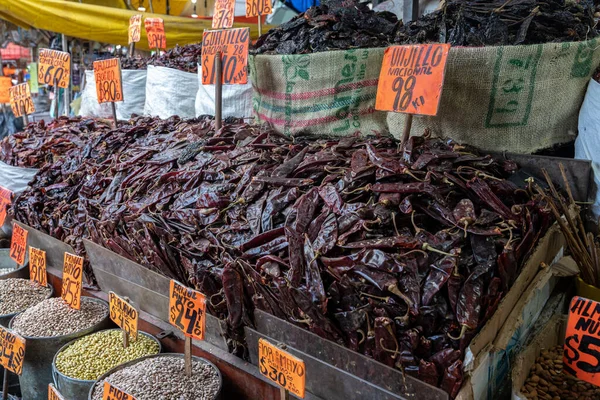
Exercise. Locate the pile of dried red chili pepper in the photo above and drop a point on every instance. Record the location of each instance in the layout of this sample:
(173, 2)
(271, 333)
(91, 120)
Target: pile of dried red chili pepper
(399, 255)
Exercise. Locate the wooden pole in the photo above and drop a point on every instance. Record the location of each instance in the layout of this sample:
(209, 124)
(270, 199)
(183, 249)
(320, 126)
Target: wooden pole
(125, 334)
(284, 394)
(218, 90)
(114, 112)
(5, 385)
(131, 49)
(67, 95)
(188, 356)
(407, 127)
(259, 25)
(56, 92)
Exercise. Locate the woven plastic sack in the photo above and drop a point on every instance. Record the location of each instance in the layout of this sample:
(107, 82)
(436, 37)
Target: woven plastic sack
(170, 92)
(89, 100)
(134, 94)
(237, 99)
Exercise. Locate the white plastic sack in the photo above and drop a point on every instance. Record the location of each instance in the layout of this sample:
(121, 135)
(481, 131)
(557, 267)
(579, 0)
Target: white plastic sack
(15, 179)
(587, 144)
(134, 93)
(170, 92)
(89, 101)
(237, 99)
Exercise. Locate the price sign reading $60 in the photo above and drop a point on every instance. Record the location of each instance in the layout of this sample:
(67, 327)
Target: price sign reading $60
(18, 244)
(109, 86)
(282, 368)
(12, 348)
(54, 66)
(187, 310)
(72, 280)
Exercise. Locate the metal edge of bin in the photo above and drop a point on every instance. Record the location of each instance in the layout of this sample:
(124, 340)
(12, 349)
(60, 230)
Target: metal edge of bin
(19, 272)
(55, 249)
(177, 355)
(145, 288)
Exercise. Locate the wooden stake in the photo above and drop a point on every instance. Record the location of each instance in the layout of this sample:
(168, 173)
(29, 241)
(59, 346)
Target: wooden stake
(125, 334)
(67, 94)
(5, 385)
(56, 92)
(218, 90)
(407, 127)
(188, 356)
(131, 50)
(114, 112)
(259, 25)
(284, 394)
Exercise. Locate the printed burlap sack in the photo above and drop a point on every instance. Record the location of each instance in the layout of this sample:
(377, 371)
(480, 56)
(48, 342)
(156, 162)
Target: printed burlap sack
(331, 93)
(515, 98)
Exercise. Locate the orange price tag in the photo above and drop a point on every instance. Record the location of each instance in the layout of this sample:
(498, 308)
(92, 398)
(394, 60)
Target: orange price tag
(54, 65)
(233, 45)
(135, 28)
(187, 310)
(20, 100)
(582, 340)
(13, 350)
(223, 15)
(113, 393)
(155, 31)
(18, 244)
(72, 280)
(123, 314)
(5, 84)
(109, 82)
(411, 78)
(53, 393)
(254, 8)
(5, 200)
(282, 368)
(37, 266)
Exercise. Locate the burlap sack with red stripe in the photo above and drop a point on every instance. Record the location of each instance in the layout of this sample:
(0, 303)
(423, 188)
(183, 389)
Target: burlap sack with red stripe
(331, 93)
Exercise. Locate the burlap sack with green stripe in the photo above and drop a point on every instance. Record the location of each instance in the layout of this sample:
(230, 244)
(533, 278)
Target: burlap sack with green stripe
(515, 98)
(331, 93)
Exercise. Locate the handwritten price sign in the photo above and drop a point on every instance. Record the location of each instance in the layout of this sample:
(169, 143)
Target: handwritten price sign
(54, 66)
(13, 350)
(282, 368)
(5, 200)
(411, 78)
(53, 393)
(18, 244)
(155, 31)
(223, 15)
(233, 45)
(21, 102)
(187, 310)
(37, 266)
(135, 28)
(123, 314)
(582, 340)
(109, 83)
(72, 280)
(5, 84)
(112, 393)
(254, 8)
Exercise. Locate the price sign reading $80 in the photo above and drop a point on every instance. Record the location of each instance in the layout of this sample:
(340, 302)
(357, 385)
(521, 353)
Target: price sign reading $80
(282, 368)
(12, 348)
(187, 310)
(109, 82)
(72, 280)
(18, 244)
(54, 66)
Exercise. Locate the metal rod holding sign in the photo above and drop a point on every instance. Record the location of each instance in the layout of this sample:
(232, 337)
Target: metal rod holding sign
(218, 89)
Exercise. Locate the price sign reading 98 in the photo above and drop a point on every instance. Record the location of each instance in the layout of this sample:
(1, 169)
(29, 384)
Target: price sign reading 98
(187, 310)
(21, 102)
(233, 45)
(13, 350)
(109, 86)
(72, 280)
(123, 314)
(54, 66)
(582, 340)
(18, 244)
(282, 368)
(411, 78)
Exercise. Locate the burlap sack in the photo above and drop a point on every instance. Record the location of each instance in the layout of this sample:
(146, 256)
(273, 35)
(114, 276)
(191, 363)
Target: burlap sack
(515, 98)
(330, 93)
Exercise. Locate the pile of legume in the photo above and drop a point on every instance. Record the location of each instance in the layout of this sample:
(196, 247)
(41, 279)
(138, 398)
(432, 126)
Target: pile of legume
(18, 294)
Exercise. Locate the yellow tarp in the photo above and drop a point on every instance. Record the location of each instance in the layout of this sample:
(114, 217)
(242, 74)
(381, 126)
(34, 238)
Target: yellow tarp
(159, 6)
(98, 23)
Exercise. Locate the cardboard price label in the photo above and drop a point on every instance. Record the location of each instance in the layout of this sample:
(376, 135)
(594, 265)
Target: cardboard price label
(187, 310)
(13, 351)
(37, 266)
(411, 78)
(233, 45)
(72, 280)
(582, 340)
(5, 200)
(18, 244)
(54, 65)
(53, 393)
(109, 82)
(282, 368)
(5, 85)
(113, 393)
(123, 314)
(20, 100)
(254, 8)
(155, 31)
(223, 15)
(135, 28)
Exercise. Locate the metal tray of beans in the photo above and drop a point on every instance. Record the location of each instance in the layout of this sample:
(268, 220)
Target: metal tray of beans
(93, 355)
(10, 269)
(161, 377)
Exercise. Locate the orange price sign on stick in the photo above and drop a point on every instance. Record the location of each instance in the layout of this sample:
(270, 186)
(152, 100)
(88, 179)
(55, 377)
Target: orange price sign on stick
(233, 45)
(123, 314)
(53, 393)
(54, 66)
(72, 280)
(155, 31)
(411, 78)
(135, 28)
(223, 14)
(21, 102)
(5, 85)
(255, 8)
(582, 340)
(18, 244)
(282, 368)
(37, 266)
(12, 347)
(109, 82)
(112, 393)
(5, 200)
(187, 310)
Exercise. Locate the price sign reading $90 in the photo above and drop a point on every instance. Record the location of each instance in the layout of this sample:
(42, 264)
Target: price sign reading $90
(187, 310)
(109, 83)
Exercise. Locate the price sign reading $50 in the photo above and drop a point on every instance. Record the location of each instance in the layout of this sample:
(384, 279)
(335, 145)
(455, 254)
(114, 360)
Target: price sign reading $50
(187, 310)
(18, 244)
(54, 66)
(72, 280)
(109, 86)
